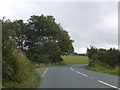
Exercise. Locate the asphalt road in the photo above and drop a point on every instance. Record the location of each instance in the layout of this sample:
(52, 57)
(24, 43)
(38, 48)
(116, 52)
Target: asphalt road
(76, 76)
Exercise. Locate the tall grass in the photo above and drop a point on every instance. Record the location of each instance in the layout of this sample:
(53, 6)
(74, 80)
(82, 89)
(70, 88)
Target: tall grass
(113, 71)
(24, 75)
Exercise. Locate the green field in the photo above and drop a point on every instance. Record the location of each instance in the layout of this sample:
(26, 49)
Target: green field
(74, 59)
(70, 59)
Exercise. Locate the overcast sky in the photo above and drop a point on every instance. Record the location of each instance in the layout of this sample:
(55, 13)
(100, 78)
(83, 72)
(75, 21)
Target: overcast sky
(88, 23)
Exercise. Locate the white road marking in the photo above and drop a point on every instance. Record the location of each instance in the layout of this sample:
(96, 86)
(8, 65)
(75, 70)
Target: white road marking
(72, 69)
(45, 72)
(98, 80)
(108, 84)
(81, 73)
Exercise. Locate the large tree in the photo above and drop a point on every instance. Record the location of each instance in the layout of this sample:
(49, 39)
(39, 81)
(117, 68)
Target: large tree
(45, 39)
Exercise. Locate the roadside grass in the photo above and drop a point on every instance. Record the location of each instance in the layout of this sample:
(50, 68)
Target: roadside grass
(75, 59)
(42, 65)
(70, 59)
(104, 70)
(31, 82)
(25, 76)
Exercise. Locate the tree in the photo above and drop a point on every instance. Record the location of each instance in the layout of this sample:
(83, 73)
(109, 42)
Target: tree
(103, 57)
(16, 68)
(20, 28)
(42, 39)
(8, 61)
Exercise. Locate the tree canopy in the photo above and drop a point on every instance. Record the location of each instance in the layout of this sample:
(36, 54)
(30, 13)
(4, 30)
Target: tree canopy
(16, 67)
(110, 57)
(42, 39)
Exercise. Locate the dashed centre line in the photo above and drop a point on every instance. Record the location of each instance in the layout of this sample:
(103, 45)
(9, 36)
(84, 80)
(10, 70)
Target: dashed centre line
(108, 84)
(81, 73)
(98, 80)
(72, 69)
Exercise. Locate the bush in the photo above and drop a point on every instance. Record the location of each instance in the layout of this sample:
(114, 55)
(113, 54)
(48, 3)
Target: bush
(17, 73)
(104, 57)
(17, 70)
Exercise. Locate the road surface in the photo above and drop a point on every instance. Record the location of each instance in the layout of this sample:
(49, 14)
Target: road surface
(76, 76)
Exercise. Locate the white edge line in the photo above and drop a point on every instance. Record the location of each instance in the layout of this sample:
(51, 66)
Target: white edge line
(81, 73)
(98, 80)
(107, 84)
(45, 72)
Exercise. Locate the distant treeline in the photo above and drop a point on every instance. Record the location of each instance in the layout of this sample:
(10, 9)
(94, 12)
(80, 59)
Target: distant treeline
(108, 58)
(81, 54)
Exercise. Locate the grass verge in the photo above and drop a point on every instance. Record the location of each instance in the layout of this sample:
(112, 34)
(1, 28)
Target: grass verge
(24, 74)
(104, 70)
(42, 65)
(31, 82)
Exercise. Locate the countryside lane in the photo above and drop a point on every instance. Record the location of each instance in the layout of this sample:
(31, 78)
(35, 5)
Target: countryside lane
(76, 76)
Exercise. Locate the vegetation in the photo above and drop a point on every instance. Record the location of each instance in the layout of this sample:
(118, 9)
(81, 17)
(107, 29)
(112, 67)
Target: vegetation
(114, 71)
(20, 73)
(17, 70)
(75, 59)
(104, 60)
(43, 40)
(39, 40)
(69, 59)
(43, 65)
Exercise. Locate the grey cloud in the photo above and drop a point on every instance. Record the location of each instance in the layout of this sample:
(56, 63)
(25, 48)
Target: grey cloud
(88, 23)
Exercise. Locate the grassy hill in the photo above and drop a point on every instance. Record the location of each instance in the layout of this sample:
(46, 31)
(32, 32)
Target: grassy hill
(75, 59)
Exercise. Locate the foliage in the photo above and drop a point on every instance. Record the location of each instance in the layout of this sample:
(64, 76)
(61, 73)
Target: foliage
(107, 58)
(43, 40)
(114, 71)
(17, 70)
(40, 40)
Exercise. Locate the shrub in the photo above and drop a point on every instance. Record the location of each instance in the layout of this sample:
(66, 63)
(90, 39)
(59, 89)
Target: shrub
(110, 57)
(17, 70)
(20, 73)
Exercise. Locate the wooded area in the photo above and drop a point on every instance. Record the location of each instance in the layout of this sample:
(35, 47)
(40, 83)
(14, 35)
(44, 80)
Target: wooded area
(40, 40)
(107, 58)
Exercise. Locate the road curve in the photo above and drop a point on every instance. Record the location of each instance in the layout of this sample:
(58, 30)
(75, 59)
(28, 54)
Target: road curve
(76, 76)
